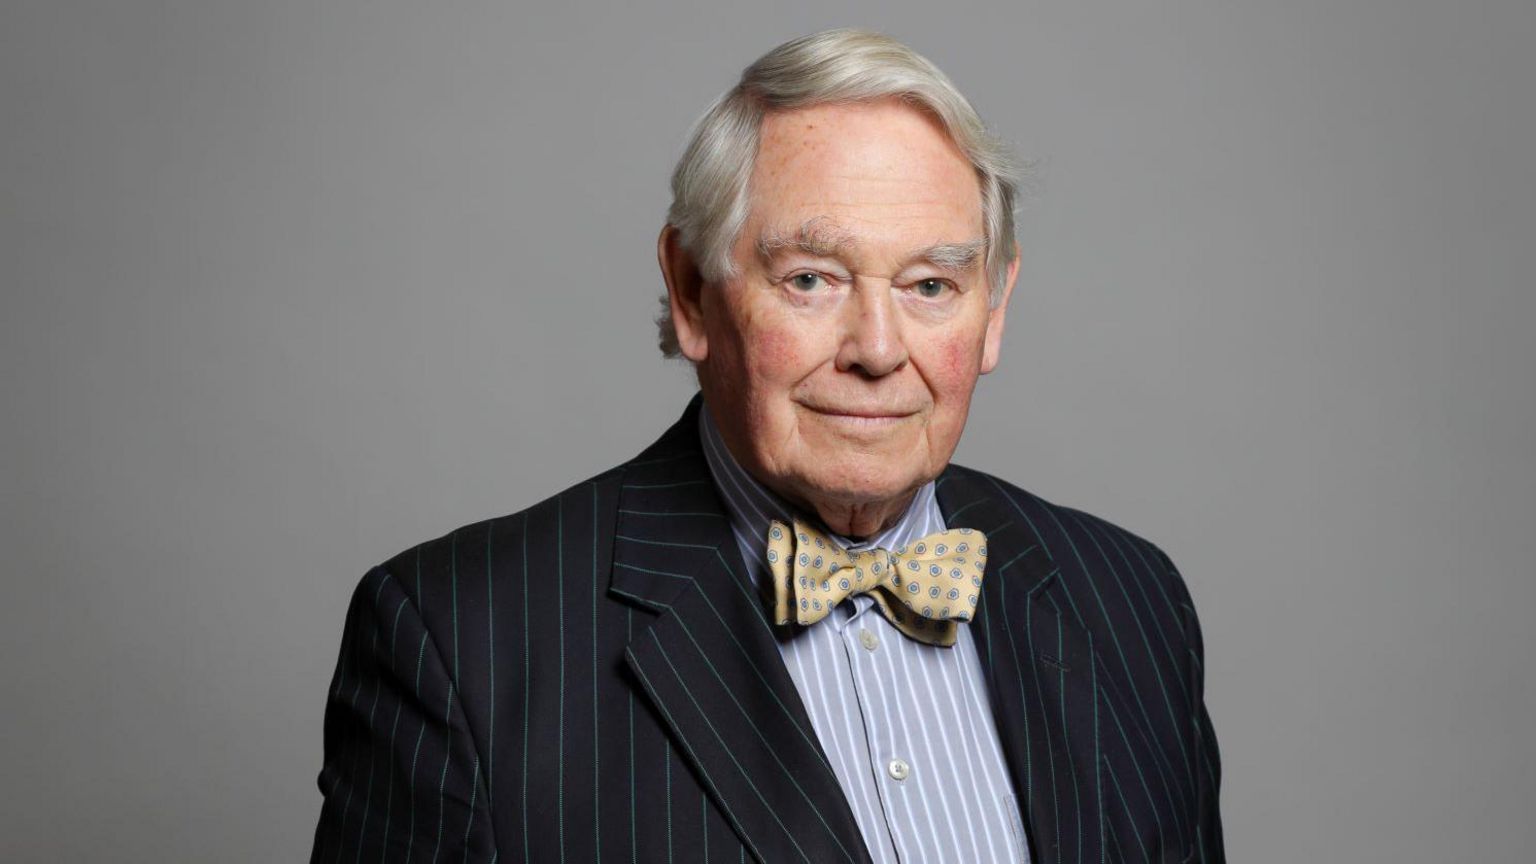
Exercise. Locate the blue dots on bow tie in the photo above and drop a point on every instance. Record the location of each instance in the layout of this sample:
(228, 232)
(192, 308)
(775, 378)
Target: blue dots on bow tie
(817, 562)
(876, 568)
(933, 592)
(804, 559)
(913, 588)
(962, 547)
(911, 565)
(844, 584)
(934, 569)
(982, 551)
(954, 594)
(803, 538)
(965, 530)
(940, 549)
(773, 557)
(777, 533)
(820, 543)
(921, 548)
(976, 580)
(955, 573)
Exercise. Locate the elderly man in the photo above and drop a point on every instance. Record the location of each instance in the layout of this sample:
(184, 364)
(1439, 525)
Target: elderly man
(790, 630)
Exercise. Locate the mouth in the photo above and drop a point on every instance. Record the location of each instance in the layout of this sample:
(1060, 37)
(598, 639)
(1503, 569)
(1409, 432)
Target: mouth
(859, 416)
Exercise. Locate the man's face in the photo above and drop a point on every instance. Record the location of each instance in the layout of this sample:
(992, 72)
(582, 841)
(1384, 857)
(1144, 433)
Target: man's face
(839, 363)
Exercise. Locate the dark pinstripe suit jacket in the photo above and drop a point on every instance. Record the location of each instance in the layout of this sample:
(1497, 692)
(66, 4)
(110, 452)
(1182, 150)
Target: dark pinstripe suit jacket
(593, 678)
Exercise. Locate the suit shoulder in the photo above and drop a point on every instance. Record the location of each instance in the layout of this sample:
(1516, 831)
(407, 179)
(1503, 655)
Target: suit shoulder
(533, 531)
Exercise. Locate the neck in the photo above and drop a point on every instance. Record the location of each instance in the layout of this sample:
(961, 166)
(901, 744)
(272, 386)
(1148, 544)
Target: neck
(858, 520)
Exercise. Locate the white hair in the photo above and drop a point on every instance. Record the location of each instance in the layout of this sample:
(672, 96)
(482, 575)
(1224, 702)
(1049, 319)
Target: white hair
(709, 184)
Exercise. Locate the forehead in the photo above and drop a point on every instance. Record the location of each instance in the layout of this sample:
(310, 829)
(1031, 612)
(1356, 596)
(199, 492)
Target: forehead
(879, 171)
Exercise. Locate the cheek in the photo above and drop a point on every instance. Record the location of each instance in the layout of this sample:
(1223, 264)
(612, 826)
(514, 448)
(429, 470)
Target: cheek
(750, 347)
(959, 365)
(778, 354)
(774, 351)
(775, 360)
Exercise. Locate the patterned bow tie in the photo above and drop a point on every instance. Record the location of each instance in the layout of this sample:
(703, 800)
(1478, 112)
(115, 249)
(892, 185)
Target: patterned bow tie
(922, 588)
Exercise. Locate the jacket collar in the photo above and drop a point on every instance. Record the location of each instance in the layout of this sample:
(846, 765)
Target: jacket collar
(710, 663)
(1040, 665)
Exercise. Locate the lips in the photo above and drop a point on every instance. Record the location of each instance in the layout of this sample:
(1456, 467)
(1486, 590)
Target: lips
(859, 412)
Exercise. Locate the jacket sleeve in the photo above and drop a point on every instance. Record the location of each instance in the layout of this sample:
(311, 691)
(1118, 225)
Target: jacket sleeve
(1209, 846)
(402, 778)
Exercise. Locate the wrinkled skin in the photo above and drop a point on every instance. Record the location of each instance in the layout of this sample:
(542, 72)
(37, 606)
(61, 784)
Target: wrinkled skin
(840, 361)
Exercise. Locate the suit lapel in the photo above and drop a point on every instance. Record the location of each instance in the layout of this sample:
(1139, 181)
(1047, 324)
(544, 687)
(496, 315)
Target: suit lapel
(1040, 671)
(710, 665)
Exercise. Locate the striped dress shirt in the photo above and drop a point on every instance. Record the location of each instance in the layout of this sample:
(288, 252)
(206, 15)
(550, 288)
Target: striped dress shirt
(906, 726)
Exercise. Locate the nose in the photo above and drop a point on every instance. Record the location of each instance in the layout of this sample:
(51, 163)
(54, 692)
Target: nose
(872, 343)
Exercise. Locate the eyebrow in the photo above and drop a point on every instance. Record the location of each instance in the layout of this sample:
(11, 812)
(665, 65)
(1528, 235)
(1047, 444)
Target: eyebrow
(953, 257)
(817, 238)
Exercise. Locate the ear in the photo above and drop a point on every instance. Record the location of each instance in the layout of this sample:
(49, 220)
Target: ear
(685, 288)
(993, 345)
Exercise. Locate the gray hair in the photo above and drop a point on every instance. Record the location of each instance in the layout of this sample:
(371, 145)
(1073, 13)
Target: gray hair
(709, 184)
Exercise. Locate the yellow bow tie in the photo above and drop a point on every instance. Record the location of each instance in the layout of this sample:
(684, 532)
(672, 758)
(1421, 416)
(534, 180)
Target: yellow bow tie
(922, 588)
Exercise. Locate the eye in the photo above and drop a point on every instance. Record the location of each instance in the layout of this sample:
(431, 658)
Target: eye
(931, 289)
(806, 282)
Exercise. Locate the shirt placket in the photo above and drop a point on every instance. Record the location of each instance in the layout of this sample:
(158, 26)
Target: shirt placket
(872, 648)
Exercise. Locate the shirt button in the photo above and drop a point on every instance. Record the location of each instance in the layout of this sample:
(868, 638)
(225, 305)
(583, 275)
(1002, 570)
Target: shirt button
(899, 769)
(869, 640)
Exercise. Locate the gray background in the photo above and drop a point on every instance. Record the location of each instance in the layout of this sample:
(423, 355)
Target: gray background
(289, 287)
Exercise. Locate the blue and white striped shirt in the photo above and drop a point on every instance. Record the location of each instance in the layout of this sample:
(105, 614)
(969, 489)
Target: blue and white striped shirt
(906, 726)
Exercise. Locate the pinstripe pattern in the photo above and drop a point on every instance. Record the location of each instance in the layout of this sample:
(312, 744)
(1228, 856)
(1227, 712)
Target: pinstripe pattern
(900, 699)
(636, 705)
